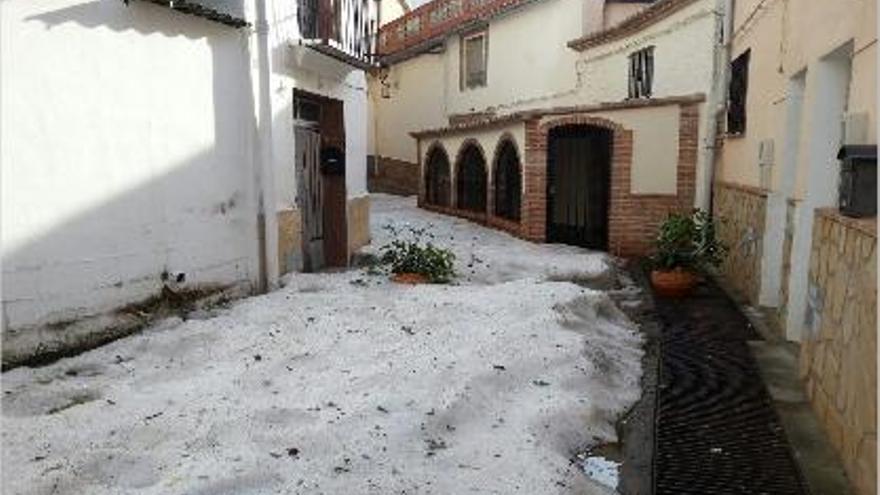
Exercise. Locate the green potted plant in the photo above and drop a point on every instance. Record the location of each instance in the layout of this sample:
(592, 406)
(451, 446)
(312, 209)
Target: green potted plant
(413, 261)
(686, 245)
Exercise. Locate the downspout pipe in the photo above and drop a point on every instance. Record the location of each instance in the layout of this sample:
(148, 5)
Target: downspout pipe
(267, 275)
(717, 105)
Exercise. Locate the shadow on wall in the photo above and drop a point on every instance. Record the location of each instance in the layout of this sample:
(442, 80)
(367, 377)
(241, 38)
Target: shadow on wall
(146, 181)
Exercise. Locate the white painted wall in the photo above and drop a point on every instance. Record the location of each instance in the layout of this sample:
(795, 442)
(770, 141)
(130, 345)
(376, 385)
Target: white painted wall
(126, 150)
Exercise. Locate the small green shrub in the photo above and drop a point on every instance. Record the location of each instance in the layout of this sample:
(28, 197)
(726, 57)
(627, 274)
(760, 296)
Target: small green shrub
(688, 242)
(414, 255)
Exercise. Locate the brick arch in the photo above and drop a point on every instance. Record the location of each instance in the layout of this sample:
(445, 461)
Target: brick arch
(509, 190)
(471, 185)
(436, 184)
(535, 205)
(581, 120)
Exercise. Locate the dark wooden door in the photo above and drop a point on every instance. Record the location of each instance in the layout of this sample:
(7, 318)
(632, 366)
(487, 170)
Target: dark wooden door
(578, 185)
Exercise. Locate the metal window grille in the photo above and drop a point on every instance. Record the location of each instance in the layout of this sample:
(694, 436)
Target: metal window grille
(641, 73)
(739, 83)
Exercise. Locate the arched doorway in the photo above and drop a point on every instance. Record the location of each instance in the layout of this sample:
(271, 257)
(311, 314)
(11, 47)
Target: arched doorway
(507, 181)
(470, 178)
(578, 185)
(437, 183)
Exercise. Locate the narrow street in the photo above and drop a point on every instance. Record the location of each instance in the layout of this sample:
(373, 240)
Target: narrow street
(717, 430)
(346, 383)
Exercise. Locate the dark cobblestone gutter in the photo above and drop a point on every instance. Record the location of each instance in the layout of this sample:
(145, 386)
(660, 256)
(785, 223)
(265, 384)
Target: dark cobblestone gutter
(706, 424)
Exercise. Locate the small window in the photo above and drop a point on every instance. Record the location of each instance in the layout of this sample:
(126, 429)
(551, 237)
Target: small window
(641, 73)
(473, 60)
(739, 84)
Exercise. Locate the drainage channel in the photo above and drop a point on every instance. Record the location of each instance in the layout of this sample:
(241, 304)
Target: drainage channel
(716, 430)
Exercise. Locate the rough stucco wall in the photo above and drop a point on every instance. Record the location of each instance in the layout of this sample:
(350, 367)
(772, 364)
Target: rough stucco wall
(740, 213)
(525, 76)
(839, 352)
(113, 117)
(615, 13)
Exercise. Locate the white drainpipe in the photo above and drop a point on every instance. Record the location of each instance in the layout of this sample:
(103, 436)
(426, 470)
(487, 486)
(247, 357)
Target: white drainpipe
(717, 103)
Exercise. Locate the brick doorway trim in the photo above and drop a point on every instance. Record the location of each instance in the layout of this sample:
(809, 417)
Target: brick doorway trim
(632, 218)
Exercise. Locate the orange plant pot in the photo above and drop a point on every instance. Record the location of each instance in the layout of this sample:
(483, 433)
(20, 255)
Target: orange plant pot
(675, 283)
(409, 278)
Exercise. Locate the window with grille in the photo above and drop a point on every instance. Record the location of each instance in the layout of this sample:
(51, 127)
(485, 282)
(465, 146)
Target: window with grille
(473, 60)
(739, 84)
(641, 73)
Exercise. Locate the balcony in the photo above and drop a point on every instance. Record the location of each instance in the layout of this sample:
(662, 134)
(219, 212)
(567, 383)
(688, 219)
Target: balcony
(341, 29)
(430, 23)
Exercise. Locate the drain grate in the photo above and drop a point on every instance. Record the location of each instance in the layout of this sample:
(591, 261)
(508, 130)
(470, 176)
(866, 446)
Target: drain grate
(717, 432)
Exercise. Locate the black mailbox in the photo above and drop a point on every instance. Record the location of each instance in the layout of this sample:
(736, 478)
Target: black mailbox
(332, 161)
(858, 180)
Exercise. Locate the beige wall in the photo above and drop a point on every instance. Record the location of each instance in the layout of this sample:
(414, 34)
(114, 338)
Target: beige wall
(655, 147)
(416, 102)
(786, 38)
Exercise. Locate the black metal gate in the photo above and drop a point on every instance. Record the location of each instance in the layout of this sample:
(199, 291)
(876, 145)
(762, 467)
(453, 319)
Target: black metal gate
(471, 180)
(578, 185)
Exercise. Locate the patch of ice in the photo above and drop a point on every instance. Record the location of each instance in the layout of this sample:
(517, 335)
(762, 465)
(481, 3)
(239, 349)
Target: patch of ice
(603, 471)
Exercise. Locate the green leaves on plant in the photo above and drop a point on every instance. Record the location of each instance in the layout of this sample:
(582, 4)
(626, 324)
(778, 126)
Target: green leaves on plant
(413, 255)
(687, 241)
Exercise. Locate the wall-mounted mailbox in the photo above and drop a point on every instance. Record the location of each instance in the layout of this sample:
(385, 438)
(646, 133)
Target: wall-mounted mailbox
(858, 180)
(332, 161)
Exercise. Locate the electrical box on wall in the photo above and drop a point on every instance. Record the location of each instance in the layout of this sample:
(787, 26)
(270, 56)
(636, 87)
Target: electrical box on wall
(858, 180)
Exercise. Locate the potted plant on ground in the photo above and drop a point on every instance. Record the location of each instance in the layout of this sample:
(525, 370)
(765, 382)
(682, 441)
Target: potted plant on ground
(686, 245)
(412, 261)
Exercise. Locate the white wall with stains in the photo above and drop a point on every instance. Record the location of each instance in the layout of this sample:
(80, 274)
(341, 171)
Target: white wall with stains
(127, 151)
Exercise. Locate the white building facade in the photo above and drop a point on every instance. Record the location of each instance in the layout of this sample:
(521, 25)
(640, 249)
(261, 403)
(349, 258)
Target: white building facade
(150, 147)
(648, 71)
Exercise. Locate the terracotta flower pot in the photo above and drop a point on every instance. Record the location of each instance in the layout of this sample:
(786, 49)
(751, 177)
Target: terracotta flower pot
(409, 278)
(673, 283)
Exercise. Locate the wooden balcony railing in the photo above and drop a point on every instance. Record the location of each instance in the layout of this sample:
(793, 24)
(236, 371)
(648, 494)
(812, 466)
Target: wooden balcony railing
(436, 19)
(343, 29)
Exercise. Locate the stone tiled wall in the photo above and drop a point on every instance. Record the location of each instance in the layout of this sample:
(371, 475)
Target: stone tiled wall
(358, 223)
(839, 352)
(740, 212)
(289, 241)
